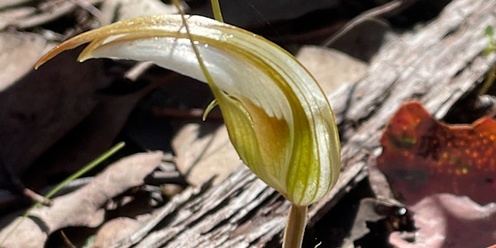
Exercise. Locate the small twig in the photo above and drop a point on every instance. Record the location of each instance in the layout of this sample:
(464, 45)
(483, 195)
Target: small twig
(35, 197)
(160, 214)
(66, 240)
(88, 7)
(389, 8)
(137, 70)
(19, 188)
(192, 113)
(163, 177)
(46, 16)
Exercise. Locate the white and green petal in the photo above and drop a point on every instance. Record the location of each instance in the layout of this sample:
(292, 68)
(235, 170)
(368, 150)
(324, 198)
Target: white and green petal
(278, 118)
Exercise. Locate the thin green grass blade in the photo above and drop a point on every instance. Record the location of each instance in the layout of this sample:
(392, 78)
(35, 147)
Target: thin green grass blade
(59, 186)
(85, 169)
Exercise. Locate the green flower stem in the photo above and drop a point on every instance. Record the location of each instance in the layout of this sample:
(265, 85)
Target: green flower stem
(216, 10)
(295, 227)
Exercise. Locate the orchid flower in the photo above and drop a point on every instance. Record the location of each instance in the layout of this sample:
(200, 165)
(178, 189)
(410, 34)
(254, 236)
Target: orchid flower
(278, 118)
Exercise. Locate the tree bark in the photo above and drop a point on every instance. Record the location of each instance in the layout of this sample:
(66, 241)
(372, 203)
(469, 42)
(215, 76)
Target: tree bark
(437, 65)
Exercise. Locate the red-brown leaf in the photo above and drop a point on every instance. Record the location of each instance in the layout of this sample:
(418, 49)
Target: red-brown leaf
(422, 156)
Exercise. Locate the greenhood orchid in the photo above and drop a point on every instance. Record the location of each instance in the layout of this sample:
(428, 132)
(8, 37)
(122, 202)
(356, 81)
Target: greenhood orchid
(278, 118)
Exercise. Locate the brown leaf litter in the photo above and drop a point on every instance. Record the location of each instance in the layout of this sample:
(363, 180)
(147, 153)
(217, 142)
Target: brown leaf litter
(83, 207)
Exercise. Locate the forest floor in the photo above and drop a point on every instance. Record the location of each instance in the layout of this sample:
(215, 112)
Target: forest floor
(61, 117)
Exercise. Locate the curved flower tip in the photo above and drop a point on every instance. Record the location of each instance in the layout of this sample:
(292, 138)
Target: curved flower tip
(278, 118)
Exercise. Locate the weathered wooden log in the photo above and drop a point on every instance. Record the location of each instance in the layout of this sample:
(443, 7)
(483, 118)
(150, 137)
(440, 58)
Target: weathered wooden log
(438, 65)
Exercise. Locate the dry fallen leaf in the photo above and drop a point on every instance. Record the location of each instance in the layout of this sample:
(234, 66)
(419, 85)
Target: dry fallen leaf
(10, 3)
(83, 207)
(444, 173)
(331, 68)
(422, 156)
(114, 230)
(38, 13)
(203, 151)
(445, 220)
(19, 53)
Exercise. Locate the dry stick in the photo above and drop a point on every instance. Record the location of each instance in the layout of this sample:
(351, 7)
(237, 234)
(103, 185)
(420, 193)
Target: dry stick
(159, 216)
(192, 113)
(47, 16)
(372, 14)
(66, 240)
(88, 7)
(137, 70)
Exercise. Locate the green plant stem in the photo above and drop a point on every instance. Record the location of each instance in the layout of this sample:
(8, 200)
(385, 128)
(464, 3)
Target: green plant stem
(488, 82)
(295, 227)
(216, 10)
